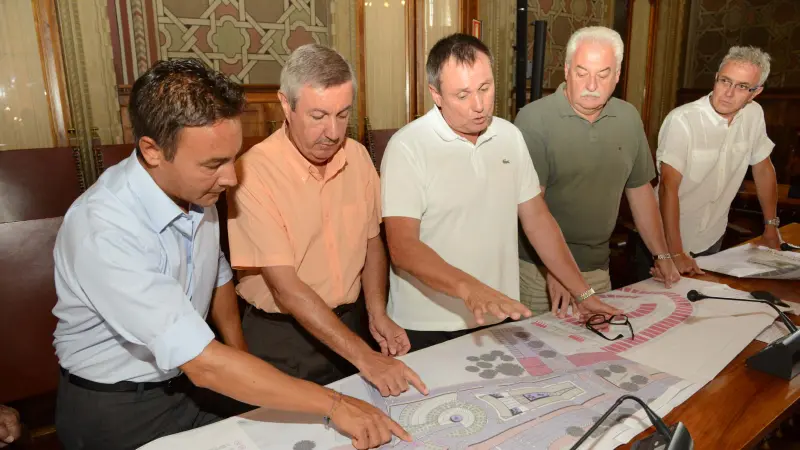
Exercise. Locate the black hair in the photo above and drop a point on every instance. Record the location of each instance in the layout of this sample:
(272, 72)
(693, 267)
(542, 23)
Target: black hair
(463, 47)
(181, 93)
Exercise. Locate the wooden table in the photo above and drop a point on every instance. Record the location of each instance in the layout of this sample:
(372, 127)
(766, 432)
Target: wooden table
(739, 407)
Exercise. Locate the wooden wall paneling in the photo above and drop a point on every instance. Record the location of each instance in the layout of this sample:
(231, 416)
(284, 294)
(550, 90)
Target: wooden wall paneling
(469, 11)
(419, 58)
(651, 54)
(411, 57)
(361, 69)
(623, 24)
(262, 115)
(49, 37)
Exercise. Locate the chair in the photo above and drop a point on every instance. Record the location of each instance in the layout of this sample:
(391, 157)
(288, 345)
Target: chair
(376, 142)
(37, 186)
(106, 156)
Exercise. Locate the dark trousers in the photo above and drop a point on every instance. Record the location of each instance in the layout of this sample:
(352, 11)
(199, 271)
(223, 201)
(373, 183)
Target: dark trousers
(643, 259)
(281, 341)
(425, 339)
(91, 420)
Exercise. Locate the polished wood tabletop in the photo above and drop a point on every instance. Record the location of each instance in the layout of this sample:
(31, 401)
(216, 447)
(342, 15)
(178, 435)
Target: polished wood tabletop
(739, 407)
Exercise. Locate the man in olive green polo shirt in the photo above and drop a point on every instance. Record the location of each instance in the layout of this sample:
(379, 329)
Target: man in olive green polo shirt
(588, 148)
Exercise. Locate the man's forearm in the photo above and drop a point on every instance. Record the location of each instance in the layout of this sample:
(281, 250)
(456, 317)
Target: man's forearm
(766, 188)
(374, 277)
(671, 216)
(302, 303)
(248, 379)
(424, 264)
(544, 234)
(647, 218)
(225, 316)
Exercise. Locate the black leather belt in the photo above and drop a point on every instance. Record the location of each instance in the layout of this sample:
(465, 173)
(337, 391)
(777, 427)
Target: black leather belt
(339, 311)
(124, 386)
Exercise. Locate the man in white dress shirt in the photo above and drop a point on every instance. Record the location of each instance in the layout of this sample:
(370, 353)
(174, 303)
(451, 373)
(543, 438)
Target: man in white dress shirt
(138, 267)
(704, 150)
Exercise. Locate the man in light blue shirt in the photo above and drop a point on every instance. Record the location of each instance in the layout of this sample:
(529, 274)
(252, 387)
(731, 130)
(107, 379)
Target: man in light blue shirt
(138, 267)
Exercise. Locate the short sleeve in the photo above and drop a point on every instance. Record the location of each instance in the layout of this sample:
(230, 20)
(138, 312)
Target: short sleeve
(224, 272)
(256, 230)
(643, 170)
(673, 144)
(763, 145)
(529, 186)
(121, 277)
(373, 203)
(535, 143)
(402, 191)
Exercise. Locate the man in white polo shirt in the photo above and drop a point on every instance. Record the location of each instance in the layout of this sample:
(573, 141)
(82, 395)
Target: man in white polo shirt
(453, 184)
(704, 149)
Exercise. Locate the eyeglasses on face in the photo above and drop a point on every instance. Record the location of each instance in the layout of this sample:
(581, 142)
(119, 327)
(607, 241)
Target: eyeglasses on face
(598, 320)
(739, 87)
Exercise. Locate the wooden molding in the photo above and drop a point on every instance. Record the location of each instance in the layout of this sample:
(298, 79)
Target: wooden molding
(418, 64)
(469, 11)
(249, 90)
(411, 58)
(361, 68)
(627, 60)
(652, 35)
(49, 38)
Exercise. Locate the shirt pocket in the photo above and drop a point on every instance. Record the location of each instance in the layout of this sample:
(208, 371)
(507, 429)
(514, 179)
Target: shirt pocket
(702, 164)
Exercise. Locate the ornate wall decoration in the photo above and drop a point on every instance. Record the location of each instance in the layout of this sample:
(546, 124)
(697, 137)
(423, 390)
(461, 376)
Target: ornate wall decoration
(249, 41)
(716, 25)
(563, 18)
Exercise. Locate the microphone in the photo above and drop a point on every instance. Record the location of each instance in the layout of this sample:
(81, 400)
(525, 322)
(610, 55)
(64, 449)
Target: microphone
(694, 296)
(781, 358)
(679, 440)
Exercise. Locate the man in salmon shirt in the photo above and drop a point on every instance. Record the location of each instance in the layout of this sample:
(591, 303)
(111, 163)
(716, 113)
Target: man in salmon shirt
(304, 231)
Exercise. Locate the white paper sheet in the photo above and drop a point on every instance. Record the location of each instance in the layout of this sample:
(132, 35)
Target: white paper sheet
(751, 261)
(775, 331)
(224, 435)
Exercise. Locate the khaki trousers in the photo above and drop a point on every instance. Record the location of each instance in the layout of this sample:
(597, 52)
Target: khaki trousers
(533, 285)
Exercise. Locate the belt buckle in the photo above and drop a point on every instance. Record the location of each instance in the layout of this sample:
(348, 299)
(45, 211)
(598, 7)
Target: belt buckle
(169, 388)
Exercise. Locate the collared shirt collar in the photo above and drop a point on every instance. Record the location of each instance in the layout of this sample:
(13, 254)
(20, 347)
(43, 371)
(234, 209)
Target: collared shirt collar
(712, 113)
(443, 129)
(301, 165)
(161, 210)
(566, 110)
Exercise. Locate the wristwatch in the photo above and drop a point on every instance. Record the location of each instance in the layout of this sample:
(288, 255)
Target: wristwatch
(776, 222)
(579, 299)
(662, 256)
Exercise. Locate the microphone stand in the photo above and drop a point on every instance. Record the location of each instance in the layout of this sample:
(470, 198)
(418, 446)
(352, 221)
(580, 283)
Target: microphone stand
(680, 440)
(781, 358)
(694, 296)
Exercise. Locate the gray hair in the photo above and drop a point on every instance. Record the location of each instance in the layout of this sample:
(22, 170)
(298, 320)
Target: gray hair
(315, 65)
(596, 34)
(752, 55)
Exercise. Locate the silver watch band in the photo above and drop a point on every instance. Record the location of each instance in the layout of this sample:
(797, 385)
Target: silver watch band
(584, 296)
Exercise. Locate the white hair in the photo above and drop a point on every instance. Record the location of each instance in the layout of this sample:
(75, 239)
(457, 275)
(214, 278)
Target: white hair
(751, 55)
(596, 34)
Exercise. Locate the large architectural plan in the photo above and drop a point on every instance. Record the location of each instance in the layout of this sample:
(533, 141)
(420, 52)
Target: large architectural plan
(541, 383)
(546, 400)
